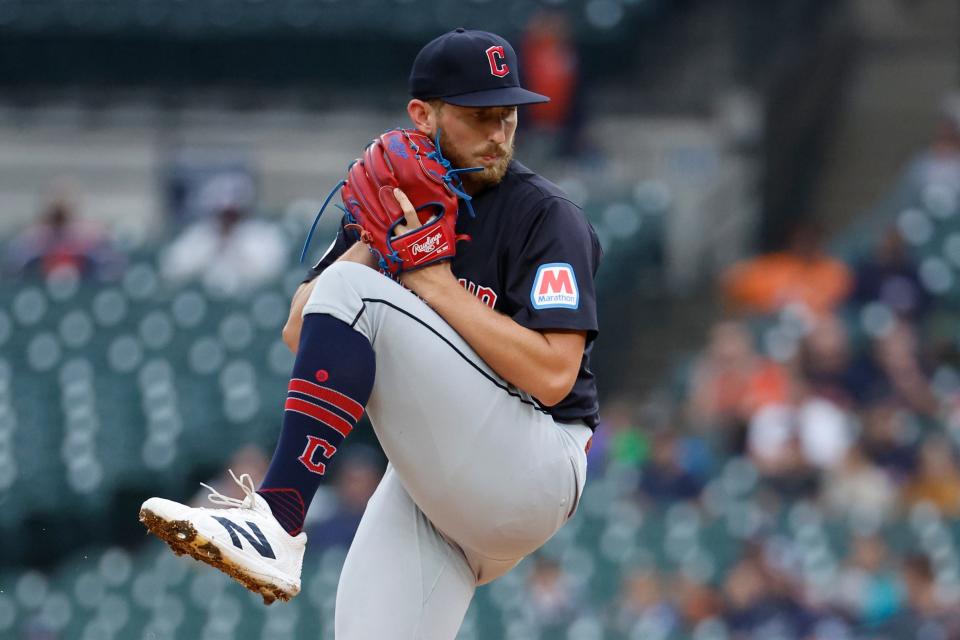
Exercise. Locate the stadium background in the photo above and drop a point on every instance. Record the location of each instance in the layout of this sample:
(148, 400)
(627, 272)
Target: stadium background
(775, 184)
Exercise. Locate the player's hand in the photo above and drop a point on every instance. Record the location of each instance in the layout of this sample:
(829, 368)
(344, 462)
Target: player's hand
(409, 213)
(428, 281)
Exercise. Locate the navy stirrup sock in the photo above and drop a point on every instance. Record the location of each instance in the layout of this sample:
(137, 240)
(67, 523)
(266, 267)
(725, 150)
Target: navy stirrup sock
(331, 383)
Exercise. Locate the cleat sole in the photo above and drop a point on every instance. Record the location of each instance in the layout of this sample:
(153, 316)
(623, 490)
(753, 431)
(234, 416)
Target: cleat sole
(183, 539)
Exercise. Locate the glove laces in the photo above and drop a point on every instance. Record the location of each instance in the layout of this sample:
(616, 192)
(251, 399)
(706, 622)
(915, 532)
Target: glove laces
(245, 482)
(452, 176)
(313, 227)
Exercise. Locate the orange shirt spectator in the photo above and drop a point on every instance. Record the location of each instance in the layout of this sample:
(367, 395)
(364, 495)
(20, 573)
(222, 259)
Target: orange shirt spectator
(732, 381)
(803, 274)
(550, 67)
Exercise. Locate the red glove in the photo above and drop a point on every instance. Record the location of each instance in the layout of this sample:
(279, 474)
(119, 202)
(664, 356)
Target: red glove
(407, 159)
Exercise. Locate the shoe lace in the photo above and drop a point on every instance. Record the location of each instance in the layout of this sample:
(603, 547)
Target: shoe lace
(245, 482)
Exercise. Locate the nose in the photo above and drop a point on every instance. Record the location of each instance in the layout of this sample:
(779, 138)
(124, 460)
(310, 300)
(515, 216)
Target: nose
(499, 133)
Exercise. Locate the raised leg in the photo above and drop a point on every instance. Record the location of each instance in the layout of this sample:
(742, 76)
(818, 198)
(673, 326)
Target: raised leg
(401, 578)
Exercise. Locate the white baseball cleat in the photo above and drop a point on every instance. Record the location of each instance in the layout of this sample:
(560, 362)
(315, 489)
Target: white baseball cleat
(245, 541)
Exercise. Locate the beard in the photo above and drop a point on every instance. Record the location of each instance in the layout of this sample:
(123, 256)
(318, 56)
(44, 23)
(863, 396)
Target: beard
(491, 174)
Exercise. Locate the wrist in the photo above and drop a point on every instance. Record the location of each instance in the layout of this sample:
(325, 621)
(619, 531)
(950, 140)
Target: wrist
(359, 253)
(432, 284)
(437, 289)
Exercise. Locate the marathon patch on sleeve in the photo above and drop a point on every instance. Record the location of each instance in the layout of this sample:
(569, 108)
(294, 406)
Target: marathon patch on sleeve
(555, 287)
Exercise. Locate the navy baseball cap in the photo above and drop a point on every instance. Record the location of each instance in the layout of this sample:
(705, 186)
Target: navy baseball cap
(470, 69)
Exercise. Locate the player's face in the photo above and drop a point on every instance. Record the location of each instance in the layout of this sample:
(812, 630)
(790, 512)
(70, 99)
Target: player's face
(478, 137)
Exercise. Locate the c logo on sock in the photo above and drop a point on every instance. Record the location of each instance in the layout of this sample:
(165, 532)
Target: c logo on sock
(307, 457)
(321, 375)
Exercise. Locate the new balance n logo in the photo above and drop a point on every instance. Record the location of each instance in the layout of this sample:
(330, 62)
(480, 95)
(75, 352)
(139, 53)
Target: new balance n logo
(256, 539)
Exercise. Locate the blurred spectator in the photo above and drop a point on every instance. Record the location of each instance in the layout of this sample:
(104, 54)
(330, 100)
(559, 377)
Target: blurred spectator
(924, 616)
(643, 609)
(60, 240)
(731, 381)
(887, 440)
(664, 478)
(802, 274)
(859, 489)
(758, 605)
(775, 449)
(940, 162)
(229, 251)
(620, 441)
(897, 354)
(696, 601)
(250, 460)
(826, 361)
(357, 475)
(551, 66)
(918, 578)
(762, 601)
(937, 480)
(867, 589)
(744, 593)
(889, 276)
(811, 431)
(891, 369)
(553, 597)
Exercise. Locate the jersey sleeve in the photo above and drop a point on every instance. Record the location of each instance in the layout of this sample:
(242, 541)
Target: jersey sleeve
(343, 241)
(556, 260)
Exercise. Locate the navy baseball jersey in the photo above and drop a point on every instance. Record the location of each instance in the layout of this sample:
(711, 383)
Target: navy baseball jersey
(532, 256)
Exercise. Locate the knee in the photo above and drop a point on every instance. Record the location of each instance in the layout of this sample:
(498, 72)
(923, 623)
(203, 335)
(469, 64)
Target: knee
(352, 275)
(343, 270)
(340, 281)
(343, 280)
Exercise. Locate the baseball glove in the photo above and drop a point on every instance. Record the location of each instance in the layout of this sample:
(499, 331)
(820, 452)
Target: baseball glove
(407, 159)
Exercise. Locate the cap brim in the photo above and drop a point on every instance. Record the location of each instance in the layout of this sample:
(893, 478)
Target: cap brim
(502, 97)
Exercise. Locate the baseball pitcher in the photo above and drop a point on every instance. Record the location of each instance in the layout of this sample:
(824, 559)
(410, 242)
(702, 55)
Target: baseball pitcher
(456, 306)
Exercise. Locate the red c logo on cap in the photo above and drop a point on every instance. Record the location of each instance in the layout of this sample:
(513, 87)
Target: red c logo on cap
(498, 61)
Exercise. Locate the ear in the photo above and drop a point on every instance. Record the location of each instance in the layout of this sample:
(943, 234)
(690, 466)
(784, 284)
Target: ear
(423, 117)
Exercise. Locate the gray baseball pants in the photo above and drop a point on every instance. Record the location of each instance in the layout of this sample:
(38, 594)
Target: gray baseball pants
(479, 475)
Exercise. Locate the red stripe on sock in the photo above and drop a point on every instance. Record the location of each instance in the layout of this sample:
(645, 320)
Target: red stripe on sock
(337, 399)
(291, 502)
(288, 511)
(328, 418)
(296, 500)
